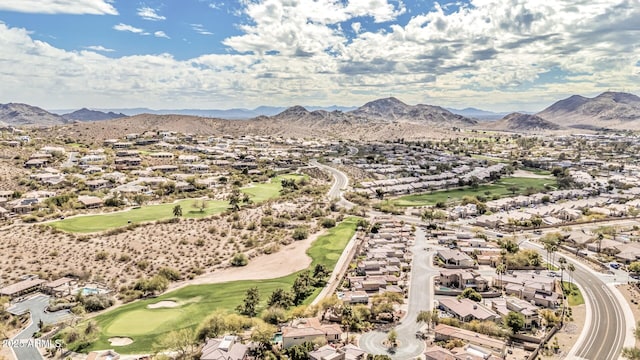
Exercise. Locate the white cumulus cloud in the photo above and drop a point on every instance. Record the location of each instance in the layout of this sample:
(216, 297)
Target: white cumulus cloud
(98, 48)
(148, 13)
(77, 7)
(129, 28)
(161, 34)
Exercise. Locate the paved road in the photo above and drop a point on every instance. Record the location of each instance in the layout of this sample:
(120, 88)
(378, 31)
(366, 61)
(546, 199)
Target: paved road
(341, 181)
(36, 306)
(605, 327)
(420, 298)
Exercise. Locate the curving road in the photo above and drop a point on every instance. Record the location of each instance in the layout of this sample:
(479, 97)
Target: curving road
(28, 350)
(605, 325)
(341, 181)
(605, 333)
(420, 298)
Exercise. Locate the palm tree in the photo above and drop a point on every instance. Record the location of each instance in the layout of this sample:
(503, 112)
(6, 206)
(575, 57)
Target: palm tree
(177, 211)
(553, 250)
(571, 268)
(599, 241)
(501, 269)
(562, 262)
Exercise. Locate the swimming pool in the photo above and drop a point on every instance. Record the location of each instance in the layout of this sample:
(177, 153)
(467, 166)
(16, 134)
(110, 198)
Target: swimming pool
(277, 338)
(90, 291)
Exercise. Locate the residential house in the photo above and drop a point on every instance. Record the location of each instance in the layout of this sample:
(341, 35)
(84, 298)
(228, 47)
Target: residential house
(327, 352)
(60, 287)
(22, 288)
(445, 333)
(462, 279)
(530, 312)
(308, 329)
(466, 310)
(90, 202)
(98, 184)
(103, 355)
(455, 259)
(226, 348)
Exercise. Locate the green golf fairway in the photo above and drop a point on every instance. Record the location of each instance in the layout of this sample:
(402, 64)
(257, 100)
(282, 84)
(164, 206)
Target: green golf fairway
(145, 326)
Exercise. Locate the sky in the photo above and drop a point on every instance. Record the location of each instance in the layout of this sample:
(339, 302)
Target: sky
(500, 55)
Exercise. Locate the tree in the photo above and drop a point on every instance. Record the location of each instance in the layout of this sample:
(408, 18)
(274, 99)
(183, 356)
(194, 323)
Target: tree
(301, 288)
(514, 189)
(634, 267)
(281, 298)
(263, 334)
(571, 268)
(211, 327)
(177, 211)
(471, 294)
(299, 352)
(501, 269)
(563, 264)
(536, 221)
(380, 193)
(392, 338)
(250, 303)
(274, 315)
(599, 241)
(514, 321)
(234, 199)
(200, 205)
(425, 317)
(182, 342)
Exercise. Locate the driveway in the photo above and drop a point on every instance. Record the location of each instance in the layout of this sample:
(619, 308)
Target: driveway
(420, 298)
(36, 306)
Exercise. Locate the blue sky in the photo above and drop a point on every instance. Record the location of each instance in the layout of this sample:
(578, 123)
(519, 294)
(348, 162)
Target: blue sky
(493, 54)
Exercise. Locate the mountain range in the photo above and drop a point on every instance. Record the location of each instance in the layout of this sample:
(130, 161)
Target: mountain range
(85, 114)
(613, 110)
(608, 110)
(230, 114)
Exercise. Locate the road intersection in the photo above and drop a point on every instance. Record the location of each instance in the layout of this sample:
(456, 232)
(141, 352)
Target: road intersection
(605, 333)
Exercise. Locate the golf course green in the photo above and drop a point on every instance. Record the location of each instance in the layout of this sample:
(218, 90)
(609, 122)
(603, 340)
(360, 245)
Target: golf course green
(500, 188)
(145, 326)
(101, 222)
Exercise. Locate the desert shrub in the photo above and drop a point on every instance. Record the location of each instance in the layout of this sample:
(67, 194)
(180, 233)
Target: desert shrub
(96, 302)
(124, 258)
(142, 264)
(328, 223)
(239, 259)
(169, 274)
(300, 233)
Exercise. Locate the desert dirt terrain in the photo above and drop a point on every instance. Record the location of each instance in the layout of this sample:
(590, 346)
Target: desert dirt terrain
(193, 247)
(97, 132)
(289, 259)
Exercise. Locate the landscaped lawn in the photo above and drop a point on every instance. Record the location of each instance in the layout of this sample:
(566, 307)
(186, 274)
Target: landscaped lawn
(498, 188)
(145, 326)
(271, 190)
(101, 222)
(574, 296)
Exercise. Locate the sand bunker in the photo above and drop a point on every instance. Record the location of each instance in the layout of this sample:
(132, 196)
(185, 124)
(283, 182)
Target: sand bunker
(120, 341)
(163, 304)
